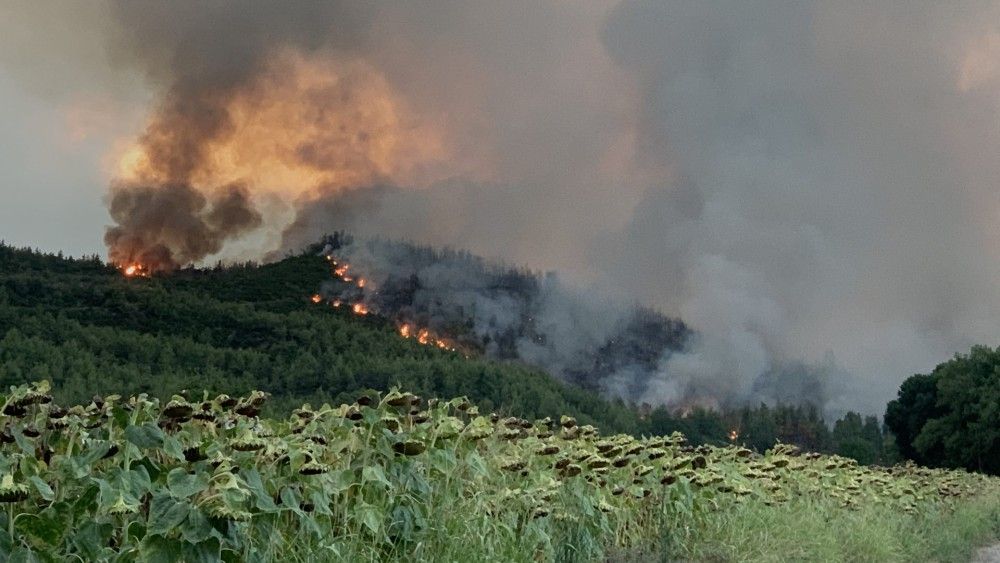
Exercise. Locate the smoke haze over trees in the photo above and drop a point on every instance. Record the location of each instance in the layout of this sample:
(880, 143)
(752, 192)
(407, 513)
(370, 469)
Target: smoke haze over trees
(587, 338)
(810, 186)
(83, 327)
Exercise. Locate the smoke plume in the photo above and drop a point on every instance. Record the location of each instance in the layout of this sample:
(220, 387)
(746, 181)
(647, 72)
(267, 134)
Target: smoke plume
(461, 302)
(168, 225)
(810, 185)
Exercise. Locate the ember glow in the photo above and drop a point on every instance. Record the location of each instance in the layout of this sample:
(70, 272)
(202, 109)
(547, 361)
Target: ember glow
(134, 271)
(424, 336)
(355, 290)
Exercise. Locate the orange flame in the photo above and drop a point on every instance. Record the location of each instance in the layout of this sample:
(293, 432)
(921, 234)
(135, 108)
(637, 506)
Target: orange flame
(316, 298)
(134, 271)
(424, 336)
(406, 330)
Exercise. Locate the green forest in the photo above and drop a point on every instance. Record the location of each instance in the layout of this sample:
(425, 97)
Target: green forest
(80, 324)
(951, 416)
(83, 326)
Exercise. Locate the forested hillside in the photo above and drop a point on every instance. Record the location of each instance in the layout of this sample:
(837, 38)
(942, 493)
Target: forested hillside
(86, 328)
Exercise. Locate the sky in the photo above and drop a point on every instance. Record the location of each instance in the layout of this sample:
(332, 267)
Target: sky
(63, 106)
(808, 182)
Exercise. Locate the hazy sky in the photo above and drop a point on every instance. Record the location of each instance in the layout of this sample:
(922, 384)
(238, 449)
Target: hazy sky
(62, 106)
(810, 181)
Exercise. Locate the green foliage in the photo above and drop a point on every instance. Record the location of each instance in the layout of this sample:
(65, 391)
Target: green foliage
(83, 326)
(951, 417)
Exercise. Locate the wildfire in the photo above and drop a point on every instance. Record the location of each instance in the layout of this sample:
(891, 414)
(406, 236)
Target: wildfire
(733, 435)
(301, 125)
(316, 298)
(406, 330)
(424, 336)
(134, 271)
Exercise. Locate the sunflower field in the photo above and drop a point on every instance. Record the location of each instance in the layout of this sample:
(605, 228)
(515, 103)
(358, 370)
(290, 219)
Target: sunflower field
(396, 477)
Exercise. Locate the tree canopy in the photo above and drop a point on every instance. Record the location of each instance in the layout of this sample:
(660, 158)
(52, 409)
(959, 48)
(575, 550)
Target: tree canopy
(951, 417)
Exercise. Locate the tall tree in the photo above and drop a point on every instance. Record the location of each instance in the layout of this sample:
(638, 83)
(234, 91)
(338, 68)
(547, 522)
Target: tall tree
(951, 417)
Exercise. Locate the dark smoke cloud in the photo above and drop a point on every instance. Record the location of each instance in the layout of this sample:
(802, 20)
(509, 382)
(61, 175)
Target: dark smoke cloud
(201, 55)
(198, 47)
(169, 225)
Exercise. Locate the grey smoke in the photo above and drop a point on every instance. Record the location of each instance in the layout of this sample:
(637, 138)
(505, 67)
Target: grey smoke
(825, 206)
(810, 185)
(506, 313)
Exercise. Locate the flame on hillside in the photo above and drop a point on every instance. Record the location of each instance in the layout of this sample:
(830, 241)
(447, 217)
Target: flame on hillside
(355, 291)
(425, 337)
(134, 271)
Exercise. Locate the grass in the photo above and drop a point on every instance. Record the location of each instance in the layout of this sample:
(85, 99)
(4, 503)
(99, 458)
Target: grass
(818, 530)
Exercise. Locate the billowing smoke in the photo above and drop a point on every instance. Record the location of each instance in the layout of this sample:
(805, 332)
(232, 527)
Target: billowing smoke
(464, 303)
(181, 189)
(167, 225)
(810, 185)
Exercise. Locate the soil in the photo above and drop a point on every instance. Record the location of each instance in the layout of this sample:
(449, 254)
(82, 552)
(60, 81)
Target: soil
(989, 554)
